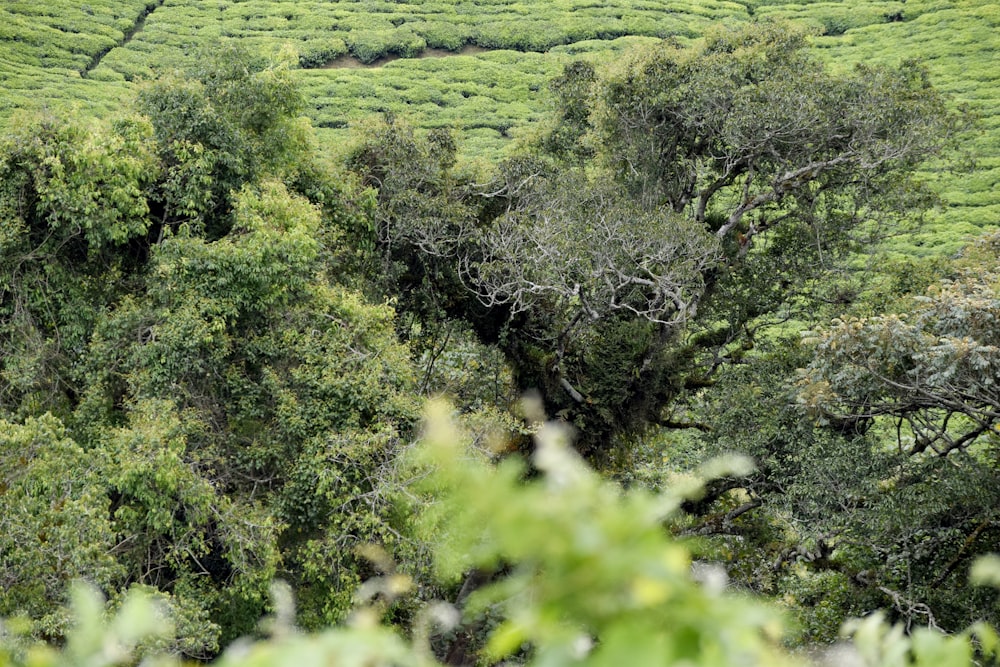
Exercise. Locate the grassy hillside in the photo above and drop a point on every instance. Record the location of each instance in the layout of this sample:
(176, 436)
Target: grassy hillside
(357, 58)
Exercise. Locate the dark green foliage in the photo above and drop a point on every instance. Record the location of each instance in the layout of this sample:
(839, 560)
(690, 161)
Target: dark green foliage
(226, 412)
(876, 461)
(810, 544)
(422, 221)
(270, 368)
(572, 116)
(924, 366)
(747, 169)
(229, 121)
(579, 572)
(744, 170)
(54, 521)
(74, 216)
(596, 285)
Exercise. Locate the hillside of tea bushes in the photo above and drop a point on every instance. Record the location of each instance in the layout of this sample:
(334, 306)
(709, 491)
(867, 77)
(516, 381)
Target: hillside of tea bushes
(494, 59)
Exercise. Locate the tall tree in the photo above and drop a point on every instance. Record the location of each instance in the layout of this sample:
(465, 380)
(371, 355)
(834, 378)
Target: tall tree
(736, 168)
(74, 216)
(230, 118)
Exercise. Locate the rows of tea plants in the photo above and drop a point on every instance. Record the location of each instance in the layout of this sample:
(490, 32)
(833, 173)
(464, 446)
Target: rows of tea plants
(47, 48)
(372, 29)
(357, 58)
(960, 44)
(65, 35)
(486, 98)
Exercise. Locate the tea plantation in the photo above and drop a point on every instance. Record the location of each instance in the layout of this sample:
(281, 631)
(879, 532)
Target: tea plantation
(494, 58)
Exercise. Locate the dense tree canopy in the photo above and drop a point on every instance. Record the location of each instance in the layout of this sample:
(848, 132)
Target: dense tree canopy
(630, 261)
(663, 189)
(213, 345)
(876, 480)
(219, 410)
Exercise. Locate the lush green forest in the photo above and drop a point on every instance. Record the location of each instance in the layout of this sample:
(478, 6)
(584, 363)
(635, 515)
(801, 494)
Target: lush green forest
(709, 290)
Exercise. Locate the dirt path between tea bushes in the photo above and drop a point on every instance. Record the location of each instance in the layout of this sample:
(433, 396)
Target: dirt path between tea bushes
(137, 26)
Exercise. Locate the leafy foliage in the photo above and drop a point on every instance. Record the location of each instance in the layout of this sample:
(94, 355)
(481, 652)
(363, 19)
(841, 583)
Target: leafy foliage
(195, 397)
(74, 204)
(55, 520)
(933, 367)
(582, 574)
(587, 575)
(230, 121)
(868, 494)
(225, 410)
